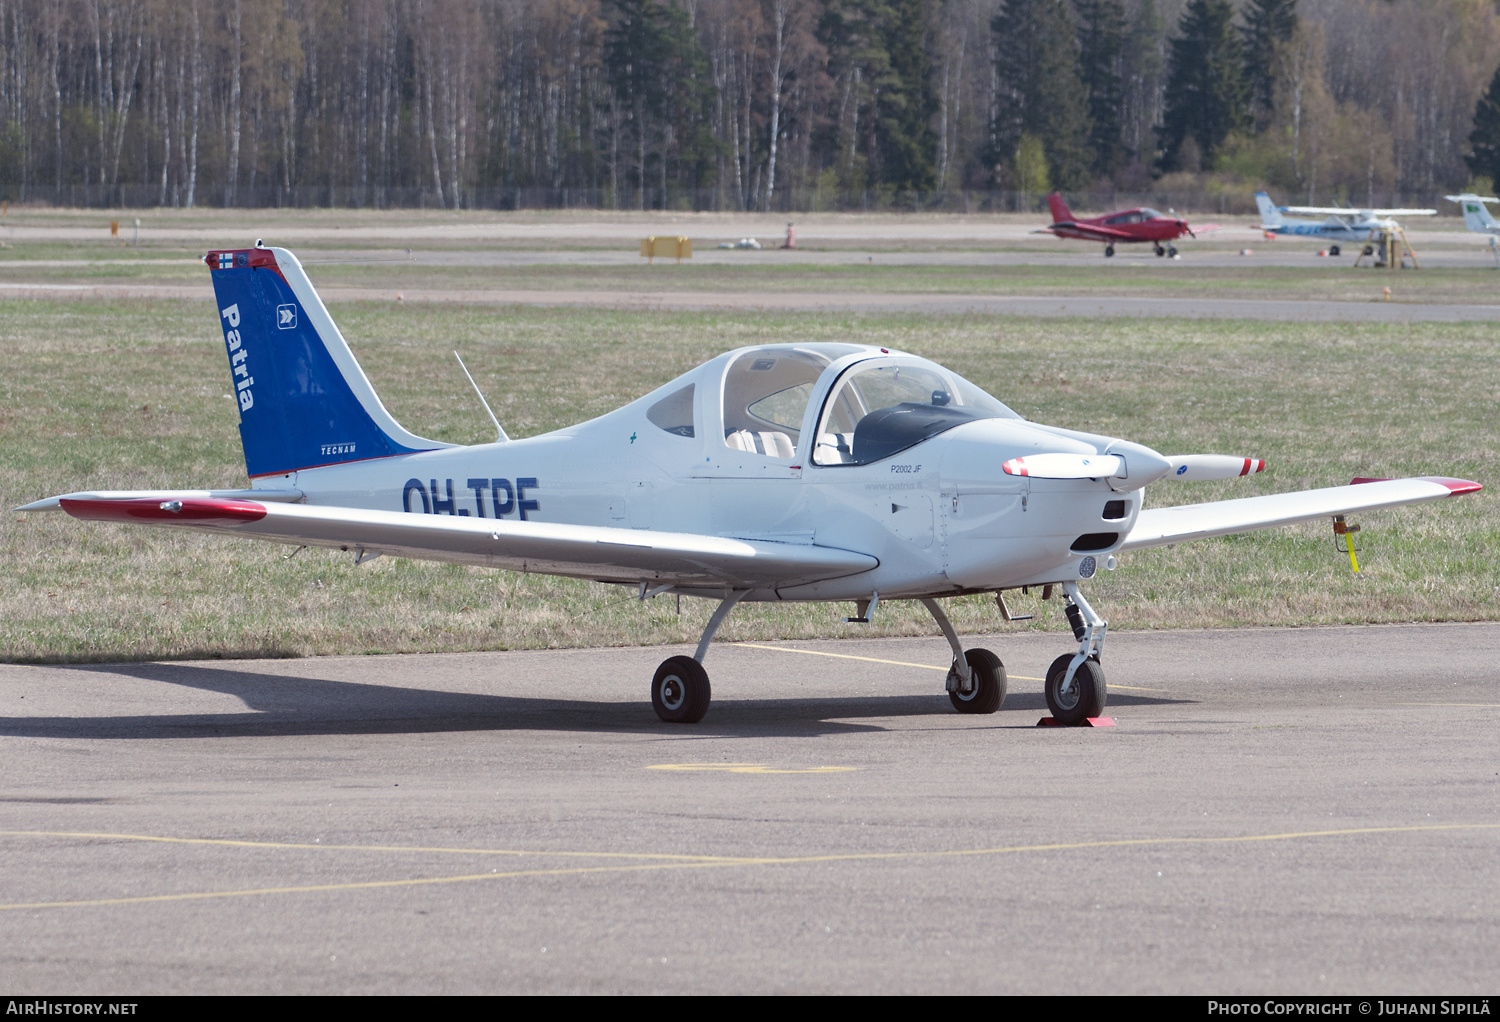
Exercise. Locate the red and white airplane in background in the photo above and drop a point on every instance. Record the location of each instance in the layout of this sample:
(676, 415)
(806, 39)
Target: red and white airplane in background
(777, 472)
(1122, 227)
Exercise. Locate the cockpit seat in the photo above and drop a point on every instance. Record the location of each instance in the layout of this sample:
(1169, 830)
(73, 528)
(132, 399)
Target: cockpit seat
(834, 448)
(771, 444)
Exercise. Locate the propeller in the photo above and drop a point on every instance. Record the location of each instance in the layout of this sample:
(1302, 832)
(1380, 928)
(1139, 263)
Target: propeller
(1183, 467)
(1192, 468)
(1065, 466)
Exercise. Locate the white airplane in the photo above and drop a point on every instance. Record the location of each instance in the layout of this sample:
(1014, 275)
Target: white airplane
(829, 472)
(1477, 218)
(1367, 227)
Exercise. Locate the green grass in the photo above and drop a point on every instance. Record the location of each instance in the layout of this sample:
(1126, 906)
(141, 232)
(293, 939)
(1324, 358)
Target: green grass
(1137, 278)
(132, 394)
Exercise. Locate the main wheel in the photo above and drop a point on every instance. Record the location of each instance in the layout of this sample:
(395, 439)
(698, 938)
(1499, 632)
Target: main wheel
(1109, 250)
(1333, 250)
(1369, 250)
(1086, 698)
(1160, 251)
(680, 691)
(989, 683)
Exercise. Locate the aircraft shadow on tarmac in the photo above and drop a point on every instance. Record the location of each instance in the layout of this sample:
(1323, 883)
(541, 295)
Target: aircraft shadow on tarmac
(283, 706)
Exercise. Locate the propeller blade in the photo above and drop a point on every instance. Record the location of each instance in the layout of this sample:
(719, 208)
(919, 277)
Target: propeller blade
(1065, 466)
(1192, 468)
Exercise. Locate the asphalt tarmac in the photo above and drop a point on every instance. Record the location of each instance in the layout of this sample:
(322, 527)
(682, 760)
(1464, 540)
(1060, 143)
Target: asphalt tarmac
(1276, 811)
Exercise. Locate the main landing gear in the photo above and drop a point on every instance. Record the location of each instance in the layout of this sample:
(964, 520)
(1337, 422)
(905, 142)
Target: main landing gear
(1109, 251)
(1075, 687)
(680, 692)
(976, 681)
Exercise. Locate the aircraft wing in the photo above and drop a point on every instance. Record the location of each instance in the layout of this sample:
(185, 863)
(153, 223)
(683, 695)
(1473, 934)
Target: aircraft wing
(1347, 211)
(1072, 229)
(578, 551)
(1163, 525)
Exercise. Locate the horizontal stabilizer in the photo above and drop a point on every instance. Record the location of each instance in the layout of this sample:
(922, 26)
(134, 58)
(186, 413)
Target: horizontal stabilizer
(577, 551)
(1162, 525)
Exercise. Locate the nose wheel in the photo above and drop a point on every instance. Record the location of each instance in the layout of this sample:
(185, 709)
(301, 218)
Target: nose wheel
(1083, 698)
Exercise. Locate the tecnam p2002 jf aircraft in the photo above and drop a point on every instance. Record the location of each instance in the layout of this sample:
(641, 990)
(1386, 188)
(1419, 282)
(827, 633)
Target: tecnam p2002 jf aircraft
(833, 472)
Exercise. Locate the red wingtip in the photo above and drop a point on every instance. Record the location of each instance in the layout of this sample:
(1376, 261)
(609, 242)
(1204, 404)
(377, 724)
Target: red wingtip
(192, 510)
(1455, 486)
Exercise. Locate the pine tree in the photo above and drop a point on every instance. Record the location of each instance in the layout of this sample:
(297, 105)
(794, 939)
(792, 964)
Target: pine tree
(1101, 38)
(1040, 92)
(659, 74)
(1205, 94)
(905, 103)
(1484, 161)
(1268, 23)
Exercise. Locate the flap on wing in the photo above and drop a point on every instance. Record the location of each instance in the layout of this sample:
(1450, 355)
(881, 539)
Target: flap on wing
(1163, 525)
(578, 551)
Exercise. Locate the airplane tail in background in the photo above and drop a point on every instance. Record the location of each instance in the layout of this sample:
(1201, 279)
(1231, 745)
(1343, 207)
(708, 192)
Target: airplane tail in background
(1270, 216)
(304, 402)
(1060, 212)
(1476, 215)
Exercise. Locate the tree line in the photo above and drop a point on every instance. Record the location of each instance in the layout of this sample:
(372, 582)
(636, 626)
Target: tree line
(739, 104)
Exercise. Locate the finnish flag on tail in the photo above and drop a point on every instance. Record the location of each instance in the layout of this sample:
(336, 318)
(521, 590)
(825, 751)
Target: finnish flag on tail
(304, 402)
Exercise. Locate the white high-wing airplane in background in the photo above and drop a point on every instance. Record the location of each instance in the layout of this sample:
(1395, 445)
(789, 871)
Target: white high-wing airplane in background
(1365, 227)
(1478, 220)
(830, 472)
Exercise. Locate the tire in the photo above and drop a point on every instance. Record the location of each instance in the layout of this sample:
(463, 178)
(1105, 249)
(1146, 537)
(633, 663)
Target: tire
(1369, 250)
(1333, 250)
(1172, 251)
(1160, 251)
(680, 692)
(1109, 250)
(989, 690)
(1088, 696)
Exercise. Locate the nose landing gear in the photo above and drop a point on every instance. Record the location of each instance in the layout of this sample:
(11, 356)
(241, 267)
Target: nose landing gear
(1075, 686)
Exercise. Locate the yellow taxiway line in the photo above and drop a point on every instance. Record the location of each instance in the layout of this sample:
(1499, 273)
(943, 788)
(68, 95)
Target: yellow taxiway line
(678, 862)
(903, 663)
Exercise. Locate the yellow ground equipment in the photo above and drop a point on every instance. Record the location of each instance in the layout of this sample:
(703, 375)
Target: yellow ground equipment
(667, 248)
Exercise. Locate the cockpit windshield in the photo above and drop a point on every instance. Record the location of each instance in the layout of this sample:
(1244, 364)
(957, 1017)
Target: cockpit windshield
(1151, 214)
(883, 406)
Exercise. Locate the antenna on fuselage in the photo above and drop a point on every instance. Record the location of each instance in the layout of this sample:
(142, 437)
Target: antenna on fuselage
(499, 430)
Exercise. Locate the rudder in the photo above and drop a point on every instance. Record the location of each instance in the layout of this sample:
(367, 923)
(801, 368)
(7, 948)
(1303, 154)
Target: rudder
(304, 401)
(1060, 212)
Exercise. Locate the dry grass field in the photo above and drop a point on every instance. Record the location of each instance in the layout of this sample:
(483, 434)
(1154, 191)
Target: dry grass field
(97, 394)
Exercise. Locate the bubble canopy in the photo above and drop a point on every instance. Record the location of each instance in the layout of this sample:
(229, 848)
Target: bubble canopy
(882, 406)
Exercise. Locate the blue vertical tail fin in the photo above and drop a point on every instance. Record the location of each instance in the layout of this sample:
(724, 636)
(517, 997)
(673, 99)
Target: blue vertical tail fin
(304, 401)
